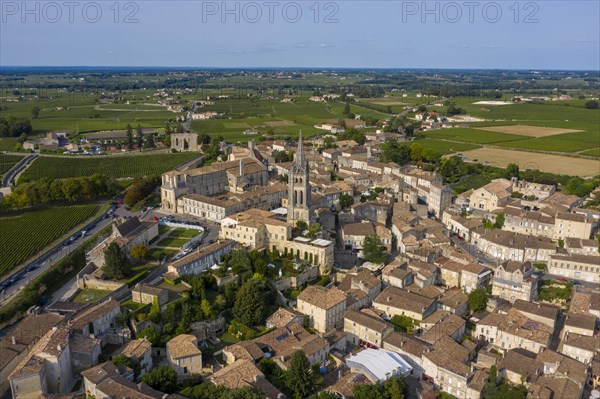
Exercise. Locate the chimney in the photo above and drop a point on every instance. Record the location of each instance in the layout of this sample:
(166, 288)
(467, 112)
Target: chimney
(241, 167)
(256, 377)
(282, 357)
(14, 340)
(59, 347)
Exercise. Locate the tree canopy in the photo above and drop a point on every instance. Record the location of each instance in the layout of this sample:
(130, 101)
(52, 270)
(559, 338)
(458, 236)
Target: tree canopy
(250, 303)
(477, 300)
(116, 263)
(162, 378)
(373, 250)
(302, 379)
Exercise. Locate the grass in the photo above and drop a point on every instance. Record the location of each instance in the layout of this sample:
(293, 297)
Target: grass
(160, 253)
(172, 242)
(184, 233)
(133, 306)
(23, 236)
(88, 295)
(115, 166)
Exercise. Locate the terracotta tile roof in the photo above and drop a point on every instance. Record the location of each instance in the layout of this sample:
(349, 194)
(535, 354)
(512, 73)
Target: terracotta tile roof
(183, 345)
(324, 298)
(364, 319)
(81, 320)
(136, 348)
(401, 299)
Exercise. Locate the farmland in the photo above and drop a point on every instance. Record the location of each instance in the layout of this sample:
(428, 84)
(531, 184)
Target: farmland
(23, 236)
(7, 162)
(557, 164)
(60, 167)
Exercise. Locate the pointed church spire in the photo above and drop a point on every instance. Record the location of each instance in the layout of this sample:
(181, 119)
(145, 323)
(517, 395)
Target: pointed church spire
(300, 157)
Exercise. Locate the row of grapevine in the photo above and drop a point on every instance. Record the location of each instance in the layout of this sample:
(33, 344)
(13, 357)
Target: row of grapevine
(115, 166)
(23, 236)
(7, 162)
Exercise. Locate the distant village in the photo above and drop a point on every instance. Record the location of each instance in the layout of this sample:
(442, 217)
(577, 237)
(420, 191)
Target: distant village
(382, 273)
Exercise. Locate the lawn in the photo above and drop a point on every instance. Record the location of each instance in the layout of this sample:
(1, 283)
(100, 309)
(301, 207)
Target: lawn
(61, 167)
(25, 235)
(133, 306)
(161, 253)
(172, 242)
(88, 295)
(184, 233)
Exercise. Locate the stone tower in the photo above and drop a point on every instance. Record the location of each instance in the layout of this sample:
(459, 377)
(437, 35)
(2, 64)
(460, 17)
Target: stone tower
(299, 203)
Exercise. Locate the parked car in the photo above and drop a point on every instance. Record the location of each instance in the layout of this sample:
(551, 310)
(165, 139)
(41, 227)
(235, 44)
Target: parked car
(562, 279)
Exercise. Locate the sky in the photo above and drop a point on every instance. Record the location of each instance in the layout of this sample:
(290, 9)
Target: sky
(543, 34)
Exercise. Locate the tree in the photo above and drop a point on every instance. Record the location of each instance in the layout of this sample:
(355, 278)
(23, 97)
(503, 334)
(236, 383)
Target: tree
(346, 200)
(325, 395)
(313, 230)
(139, 251)
(149, 143)
(116, 264)
(512, 169)
(373, 250)
(250, 304)
(346, 109)
(499, 221)
(592, 104)
(35, 112)
(162, 378)
(394, 388)
(131, 362)
(129, 137)
(301, 225)
(416, 152)
(154, 315)
(477, 300)
(140, 137)
(302, 380)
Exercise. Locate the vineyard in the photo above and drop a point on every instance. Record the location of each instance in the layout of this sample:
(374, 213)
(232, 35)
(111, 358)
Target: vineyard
(7, 162)
(116, 166)
(23, 236)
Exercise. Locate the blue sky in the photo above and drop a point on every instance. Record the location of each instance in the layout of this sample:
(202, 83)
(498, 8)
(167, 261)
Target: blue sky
(544, 34)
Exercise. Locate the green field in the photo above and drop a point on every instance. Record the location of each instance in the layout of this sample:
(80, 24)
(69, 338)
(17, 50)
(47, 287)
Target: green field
(444, 147)
(115, 166)
(82, 114)
(567, 142)
(594, 153)
(8, 143)
(23, 236)
(7, 162)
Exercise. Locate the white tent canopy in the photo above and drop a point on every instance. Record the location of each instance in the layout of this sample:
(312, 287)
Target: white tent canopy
(379, 364)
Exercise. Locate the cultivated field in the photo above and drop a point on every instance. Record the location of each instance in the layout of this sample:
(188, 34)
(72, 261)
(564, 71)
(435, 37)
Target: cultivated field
(7, 162)
(23, 236)
(557, 164)
(529, 131)
(60, 167)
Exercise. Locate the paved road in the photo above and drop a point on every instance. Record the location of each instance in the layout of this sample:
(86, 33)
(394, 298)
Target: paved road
(53, 255)
(188, 118)
(8, 178)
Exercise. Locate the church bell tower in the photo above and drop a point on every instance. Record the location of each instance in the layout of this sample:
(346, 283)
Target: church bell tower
(299, 202)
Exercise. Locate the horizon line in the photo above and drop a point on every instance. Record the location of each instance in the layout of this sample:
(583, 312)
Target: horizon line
(299, 68)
